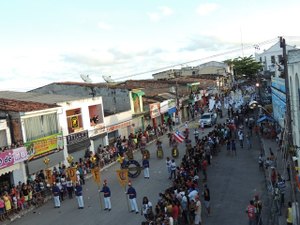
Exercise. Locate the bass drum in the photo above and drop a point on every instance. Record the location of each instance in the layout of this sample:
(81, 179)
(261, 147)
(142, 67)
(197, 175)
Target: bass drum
(175, 152)
(160, 153)
(134, 168)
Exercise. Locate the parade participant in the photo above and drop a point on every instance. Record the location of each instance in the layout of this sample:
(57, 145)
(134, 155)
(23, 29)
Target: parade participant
(168, 164)
(56, 192)
(132, 198)
(147, 209)
(258, 207)
(145, 164)
(70, 187)
(106, 194)
(79, 197)
(251, 211)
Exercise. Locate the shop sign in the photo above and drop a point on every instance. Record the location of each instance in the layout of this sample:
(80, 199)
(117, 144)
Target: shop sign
(20, 154)
(164, 107)
(154, 110)
(44, 146)
(77, 137)
(6, 159)
(119, 126)
(97, 130)
(171, 103)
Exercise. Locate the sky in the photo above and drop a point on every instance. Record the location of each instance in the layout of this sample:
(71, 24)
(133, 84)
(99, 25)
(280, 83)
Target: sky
(48, 41)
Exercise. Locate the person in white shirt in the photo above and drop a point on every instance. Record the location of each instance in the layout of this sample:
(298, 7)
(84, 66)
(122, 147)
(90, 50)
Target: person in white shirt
(168, 163)
(198, 209)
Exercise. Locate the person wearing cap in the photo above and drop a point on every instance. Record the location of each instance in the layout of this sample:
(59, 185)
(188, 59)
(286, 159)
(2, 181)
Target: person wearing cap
(106, 194)
(145, 164)
(132, 198)
(79, 197)
(55, 192)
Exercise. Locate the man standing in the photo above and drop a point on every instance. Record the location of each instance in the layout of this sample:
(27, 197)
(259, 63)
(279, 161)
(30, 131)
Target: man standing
(173, 169)
(198, 211)
(132, 198)
(251, 211)
(79, 197)
(56, 192)
(146, 167)
(206, 196)
(106, 194)
(168, 163)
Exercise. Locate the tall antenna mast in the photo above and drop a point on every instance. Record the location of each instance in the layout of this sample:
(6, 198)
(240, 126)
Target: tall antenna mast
(242, 41)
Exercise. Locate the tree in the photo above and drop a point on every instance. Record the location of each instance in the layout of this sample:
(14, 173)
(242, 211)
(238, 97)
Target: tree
(245, 67)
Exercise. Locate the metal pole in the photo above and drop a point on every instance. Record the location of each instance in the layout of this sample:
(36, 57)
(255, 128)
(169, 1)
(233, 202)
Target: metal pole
(288, 119)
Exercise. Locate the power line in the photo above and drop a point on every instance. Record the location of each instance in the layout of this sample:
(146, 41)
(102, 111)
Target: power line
(249, 46)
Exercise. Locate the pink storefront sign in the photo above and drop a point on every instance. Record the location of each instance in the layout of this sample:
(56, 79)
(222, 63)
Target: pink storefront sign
(6, 158)
(20, 154)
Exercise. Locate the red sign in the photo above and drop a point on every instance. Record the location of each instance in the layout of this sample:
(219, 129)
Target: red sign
(118, 126)
(6, 158)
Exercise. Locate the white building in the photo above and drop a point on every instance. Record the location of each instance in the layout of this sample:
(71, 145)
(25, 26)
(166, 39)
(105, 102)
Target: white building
(271, 59)
(294, 86)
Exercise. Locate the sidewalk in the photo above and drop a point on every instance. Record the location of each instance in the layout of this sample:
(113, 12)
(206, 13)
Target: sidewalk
(272, 217)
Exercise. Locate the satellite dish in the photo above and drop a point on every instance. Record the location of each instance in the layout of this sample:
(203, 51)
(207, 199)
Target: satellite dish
(108, 79)
(86, 78)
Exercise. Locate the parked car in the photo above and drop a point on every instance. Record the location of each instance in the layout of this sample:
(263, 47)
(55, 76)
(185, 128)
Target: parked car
(208, 119)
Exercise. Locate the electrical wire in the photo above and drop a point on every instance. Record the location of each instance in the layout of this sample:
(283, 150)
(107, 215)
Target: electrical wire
(249, 46)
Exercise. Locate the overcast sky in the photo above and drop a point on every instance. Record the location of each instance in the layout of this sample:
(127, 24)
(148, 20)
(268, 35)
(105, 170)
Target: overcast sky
(45, 41)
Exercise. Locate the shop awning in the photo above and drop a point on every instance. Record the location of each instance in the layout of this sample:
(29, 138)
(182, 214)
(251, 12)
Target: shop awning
(138, 92)
(263, 118)
(9, 169)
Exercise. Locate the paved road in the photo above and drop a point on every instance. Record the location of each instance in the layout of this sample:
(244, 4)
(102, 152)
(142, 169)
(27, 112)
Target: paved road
(232, 181)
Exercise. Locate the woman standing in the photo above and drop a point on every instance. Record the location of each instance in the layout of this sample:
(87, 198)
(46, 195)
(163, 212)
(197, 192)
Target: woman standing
(147, 209)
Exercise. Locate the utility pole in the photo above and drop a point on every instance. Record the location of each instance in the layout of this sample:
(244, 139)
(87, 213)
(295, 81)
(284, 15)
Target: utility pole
(177, 103)
(288, 120)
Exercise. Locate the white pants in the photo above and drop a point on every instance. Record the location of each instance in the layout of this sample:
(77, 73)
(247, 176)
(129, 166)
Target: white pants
(107, 203)
(56, 201)
(133, 205)
(80, 201)
(146, 172)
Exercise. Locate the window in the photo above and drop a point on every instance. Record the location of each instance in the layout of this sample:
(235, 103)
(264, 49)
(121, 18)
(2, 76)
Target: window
(74, 119)
(280, 59)
(95, 112)
(273, 59)
(41, 126)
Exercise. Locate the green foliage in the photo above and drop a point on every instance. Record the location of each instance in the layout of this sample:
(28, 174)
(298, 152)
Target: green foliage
(245, 66)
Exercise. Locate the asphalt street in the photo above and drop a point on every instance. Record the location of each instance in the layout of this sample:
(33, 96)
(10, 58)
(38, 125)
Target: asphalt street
(232, 182)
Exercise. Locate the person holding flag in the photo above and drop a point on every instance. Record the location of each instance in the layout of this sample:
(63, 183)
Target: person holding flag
(106, 194)
(132, 198)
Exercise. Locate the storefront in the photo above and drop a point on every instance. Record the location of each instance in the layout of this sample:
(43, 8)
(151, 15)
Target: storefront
(98, 137)
(172, 109)
(155, 114)
(164, 107)
(77, 144)
(12, 169)
(121, 129)
(50, 146)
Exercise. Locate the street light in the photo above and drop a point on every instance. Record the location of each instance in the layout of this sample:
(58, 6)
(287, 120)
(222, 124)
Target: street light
(254, 104)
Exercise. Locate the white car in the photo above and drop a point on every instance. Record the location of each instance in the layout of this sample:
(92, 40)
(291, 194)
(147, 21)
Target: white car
(208, 119)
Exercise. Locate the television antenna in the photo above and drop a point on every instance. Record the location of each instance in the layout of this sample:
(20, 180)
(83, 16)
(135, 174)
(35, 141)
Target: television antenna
(108, 79)
(86, 78)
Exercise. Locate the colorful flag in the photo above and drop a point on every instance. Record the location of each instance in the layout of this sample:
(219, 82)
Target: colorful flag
(96, 175)
(122, 176)
(178, 137)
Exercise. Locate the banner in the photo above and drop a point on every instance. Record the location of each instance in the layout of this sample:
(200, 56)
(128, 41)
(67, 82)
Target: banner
(49, 176)
(71, 173)
(122, 176)
(44, 146)
(20, 154)
(6, 159)
(96, 175)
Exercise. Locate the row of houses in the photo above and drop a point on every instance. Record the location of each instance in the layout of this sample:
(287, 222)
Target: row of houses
(70, 118)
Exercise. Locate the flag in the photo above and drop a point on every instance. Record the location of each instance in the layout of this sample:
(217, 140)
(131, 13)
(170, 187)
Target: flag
(178, 137)
(96, 175)
(122, 176)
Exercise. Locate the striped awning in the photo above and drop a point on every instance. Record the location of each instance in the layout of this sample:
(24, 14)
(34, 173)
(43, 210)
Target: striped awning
(10, 169)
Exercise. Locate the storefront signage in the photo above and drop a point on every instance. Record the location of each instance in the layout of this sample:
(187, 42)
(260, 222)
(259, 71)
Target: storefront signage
(43, 146)
(118, 126)
(164, 107)
(77, 137)
(98, 129)
(20, 155)
(154, 110)
(6, 159)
